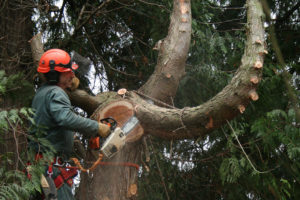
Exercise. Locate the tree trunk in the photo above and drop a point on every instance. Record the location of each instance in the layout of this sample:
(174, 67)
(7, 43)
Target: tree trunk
(115, 182)
(118, 182)
(15, 53)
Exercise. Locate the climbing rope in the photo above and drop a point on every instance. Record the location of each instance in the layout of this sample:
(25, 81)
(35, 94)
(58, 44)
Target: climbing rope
(98, 162)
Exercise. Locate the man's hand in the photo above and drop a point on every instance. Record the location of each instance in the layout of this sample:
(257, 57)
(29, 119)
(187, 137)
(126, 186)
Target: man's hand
(103, 130)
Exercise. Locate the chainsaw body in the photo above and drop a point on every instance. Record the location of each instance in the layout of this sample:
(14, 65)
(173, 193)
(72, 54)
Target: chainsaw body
(113, 143)
(116, 140)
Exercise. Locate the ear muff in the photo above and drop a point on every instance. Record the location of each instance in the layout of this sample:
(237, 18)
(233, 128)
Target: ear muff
(52, 76)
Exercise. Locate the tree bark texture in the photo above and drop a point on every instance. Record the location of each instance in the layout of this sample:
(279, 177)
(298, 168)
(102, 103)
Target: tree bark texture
(173, 51)
(115, 182)
(16, 28)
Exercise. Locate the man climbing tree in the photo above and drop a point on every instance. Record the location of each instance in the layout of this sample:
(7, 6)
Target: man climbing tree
(54, 115)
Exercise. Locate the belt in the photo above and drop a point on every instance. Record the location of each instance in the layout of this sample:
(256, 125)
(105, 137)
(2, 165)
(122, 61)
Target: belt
(65, 176)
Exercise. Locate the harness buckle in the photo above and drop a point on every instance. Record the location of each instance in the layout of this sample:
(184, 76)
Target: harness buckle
(59, 162)
(50, 172)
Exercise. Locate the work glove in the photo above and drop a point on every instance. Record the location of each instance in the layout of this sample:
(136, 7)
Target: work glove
(103, 130)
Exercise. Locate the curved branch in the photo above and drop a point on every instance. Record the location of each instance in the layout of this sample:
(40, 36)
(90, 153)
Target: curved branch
(232, 100)
(201, 120)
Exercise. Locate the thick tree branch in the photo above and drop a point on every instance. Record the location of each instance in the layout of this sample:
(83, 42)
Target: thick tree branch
(200, 120)
(231, 101)
(173, 50)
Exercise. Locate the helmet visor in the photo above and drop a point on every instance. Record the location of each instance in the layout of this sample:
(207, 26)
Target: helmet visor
(66, 68)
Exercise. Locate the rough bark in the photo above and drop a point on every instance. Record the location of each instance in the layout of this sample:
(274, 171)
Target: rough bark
(16, 28)
(173, 50)
(115, 182)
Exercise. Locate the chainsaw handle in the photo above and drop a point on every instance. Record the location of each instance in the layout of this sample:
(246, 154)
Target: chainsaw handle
(111, 122)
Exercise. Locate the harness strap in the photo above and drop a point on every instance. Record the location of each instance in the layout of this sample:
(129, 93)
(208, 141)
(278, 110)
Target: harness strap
(65, 176)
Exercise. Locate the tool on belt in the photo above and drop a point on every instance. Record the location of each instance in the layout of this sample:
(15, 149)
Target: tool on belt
(116, 140)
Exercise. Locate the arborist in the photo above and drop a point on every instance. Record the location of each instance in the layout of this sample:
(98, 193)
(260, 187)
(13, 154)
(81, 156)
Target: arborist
(54, 113)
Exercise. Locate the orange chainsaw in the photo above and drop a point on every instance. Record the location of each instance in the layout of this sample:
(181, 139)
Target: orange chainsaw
(116, 140)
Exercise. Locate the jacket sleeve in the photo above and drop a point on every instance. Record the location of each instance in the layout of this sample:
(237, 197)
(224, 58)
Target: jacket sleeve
(61, 111)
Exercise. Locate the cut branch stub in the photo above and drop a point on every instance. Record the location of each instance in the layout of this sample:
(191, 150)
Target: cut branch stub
(132, 190)
(183, 7)
(241, 108)
(264, 52)
(258, 42)
(122, 91)
(254, 79)
(253, 95)
(183, 19)
(210, 123)
(121, 111)
(258, 64)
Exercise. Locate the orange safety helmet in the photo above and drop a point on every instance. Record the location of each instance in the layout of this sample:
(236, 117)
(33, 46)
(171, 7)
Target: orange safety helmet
(56, 59)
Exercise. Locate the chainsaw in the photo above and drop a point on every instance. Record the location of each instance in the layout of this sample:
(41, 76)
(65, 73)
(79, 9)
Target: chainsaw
(116, 140)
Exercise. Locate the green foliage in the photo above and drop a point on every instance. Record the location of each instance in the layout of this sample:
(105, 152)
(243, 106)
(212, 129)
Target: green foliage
(230, 170)
(14, 123)
(15, 88)
(14, 184)
(279, 129)
(11, 185)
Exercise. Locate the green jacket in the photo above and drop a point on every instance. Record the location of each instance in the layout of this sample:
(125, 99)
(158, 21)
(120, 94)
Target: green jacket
(54, 112)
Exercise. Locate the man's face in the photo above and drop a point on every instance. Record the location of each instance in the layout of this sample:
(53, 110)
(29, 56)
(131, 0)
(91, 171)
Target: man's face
(65, 79)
